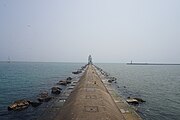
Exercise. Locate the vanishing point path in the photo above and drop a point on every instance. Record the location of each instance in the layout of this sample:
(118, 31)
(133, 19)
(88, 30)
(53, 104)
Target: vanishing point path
(91, 100)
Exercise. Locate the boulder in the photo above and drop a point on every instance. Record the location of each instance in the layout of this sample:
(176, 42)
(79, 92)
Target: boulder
(69, 78)
(83, 67)
(56, 90)
(19, 105)
(113, 78)
(132, 101)
(62, 82)
(35, 103)
(140, 100)
(68, 81)
(110, 81)
(44, 97)
(77, 72)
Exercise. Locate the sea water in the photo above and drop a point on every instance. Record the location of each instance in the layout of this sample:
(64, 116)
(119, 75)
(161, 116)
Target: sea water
(25, 80)
(159, 86)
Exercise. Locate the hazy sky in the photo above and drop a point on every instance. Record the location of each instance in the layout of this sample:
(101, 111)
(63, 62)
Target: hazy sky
(109, 30)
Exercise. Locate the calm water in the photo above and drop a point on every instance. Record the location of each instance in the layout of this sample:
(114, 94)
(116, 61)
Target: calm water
(158, 85)
(27, 80)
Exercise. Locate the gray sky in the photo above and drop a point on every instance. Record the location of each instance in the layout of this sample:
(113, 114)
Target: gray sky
(109, 30)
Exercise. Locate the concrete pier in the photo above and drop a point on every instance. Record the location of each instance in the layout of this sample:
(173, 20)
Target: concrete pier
(92, 99)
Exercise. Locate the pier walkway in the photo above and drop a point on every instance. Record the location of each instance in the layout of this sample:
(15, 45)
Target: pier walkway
(91, 100)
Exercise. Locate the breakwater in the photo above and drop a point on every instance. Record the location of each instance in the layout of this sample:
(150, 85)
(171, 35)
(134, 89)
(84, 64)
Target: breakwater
(91, 98)
(151, 64)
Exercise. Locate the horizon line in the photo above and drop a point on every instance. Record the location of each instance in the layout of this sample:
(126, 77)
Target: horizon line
(93, 62)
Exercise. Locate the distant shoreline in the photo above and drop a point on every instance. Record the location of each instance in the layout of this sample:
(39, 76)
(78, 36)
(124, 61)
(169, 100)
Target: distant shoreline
(151, 64)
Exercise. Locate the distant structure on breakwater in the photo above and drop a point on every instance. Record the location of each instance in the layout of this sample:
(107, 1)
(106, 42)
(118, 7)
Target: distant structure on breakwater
(131, 63)
(89, 59)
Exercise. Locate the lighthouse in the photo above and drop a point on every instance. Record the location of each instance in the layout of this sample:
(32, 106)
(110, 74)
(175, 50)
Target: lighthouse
(89, 59)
